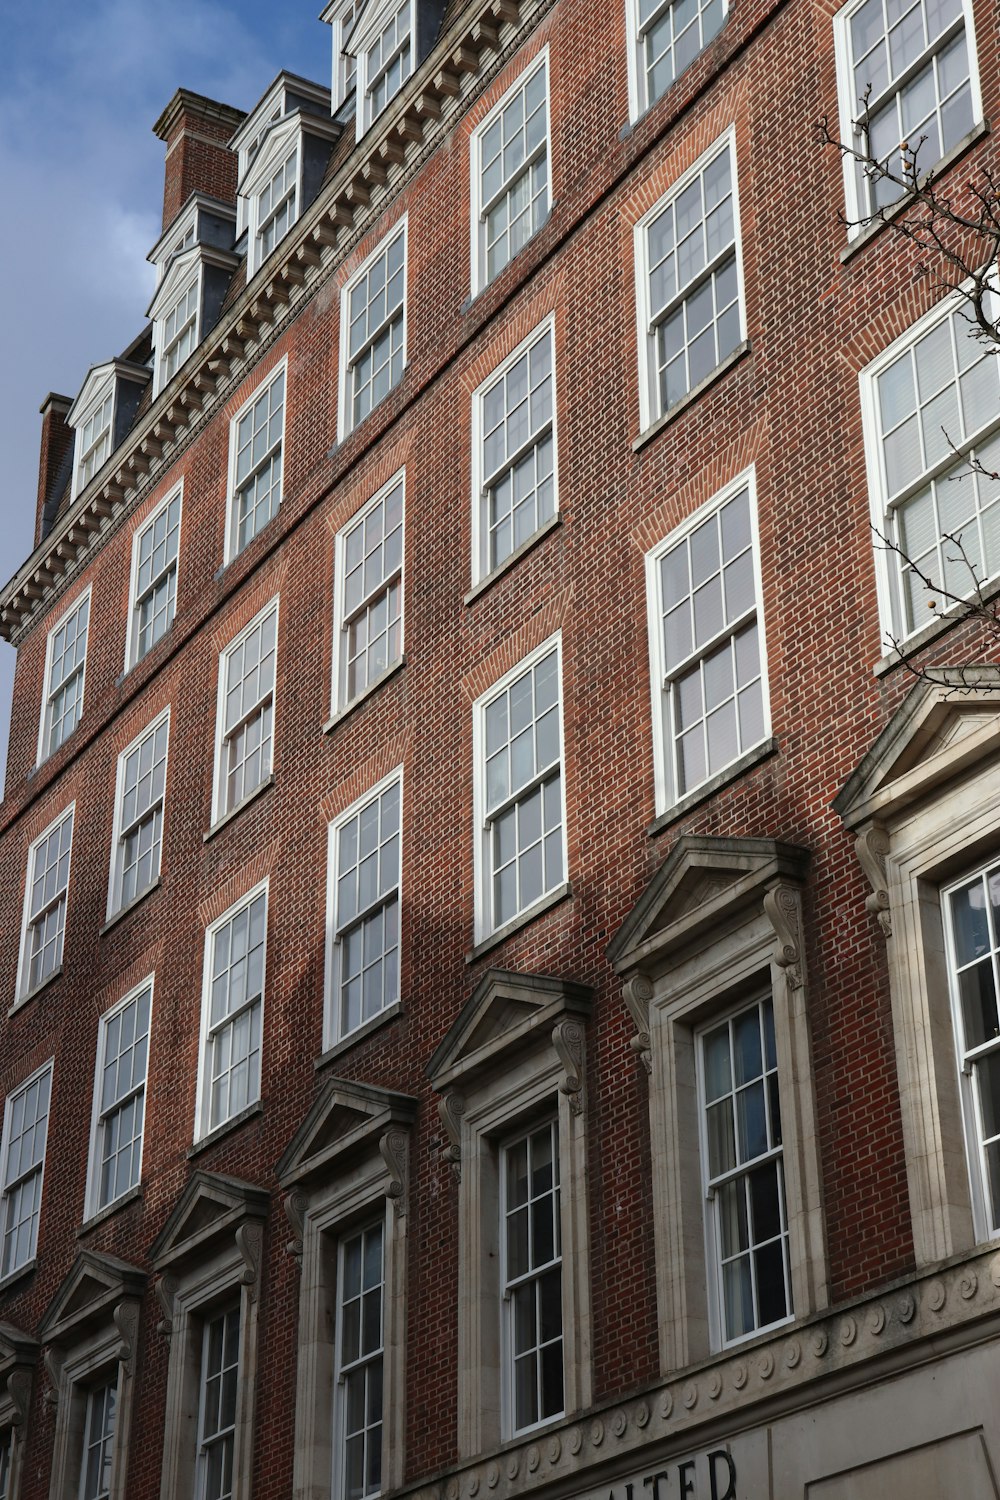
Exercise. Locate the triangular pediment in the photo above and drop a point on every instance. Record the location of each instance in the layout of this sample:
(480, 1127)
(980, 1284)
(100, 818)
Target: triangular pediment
(507, 1010)
(181, 270)
(16, 1347)
(98, 383)
(703, 883)
(941, 731)
(93, 1288)
(346, 1118)
(211, 1207)
(275, 144)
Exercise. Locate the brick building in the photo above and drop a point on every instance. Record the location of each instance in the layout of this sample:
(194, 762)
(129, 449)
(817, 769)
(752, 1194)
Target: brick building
(499, 956)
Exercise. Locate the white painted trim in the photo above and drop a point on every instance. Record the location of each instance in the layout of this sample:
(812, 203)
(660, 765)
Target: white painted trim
(22, 965)
(116, 831)
(203, 1089)
(91, 1205)
(369, 25)
(46, 1067)
(338, 688)
(331, 1022)
(229, 545)
(131, 631)
(649, 411)
(219, 808)
(483, 925)
(664, 771)
(638, 99)
(479, 504)
(345, 424)
(477, 277)
(43, 752)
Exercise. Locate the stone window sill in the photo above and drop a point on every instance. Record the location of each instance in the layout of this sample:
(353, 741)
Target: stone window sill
(227, 1126)
(109, 1210)
(515, 557)
(691, 397)
(123, 911)
(8, 1281)
(708, 788)
(546, 903)
(234, 812)
(335, 720)
(23, 1000)
(359, 1034)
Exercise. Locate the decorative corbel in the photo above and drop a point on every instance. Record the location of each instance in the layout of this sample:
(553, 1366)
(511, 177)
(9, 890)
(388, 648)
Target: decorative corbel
(871, 848)
(53, 1361)
(567, 1039)
(451, 1107)
(637, 993)
(394, 1148)
(19, 1391)
(166, 1293)
(781, 906)
(295, 1204)
(250, 1243)
(126, 1316)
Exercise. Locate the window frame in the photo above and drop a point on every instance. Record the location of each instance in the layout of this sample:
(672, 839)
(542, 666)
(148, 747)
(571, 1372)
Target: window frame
(45, 751)
(132, 654)
(882, 508)
(483, 483)
(5, 1189)
(92, 1203)
(479, 208)
(343, 76)
(363, 1361)
(178, 281)
(283, 140)
(24, 989)
(843, 55)
(650, 412)
(333, 1032)
(205, 1440)
(484, 925)
(345, 418)
(104, 392)
(665, 777)
(713, 1249)
(221, 808)
(234, 491)
(340, 701)
(639, 100)
(371, 24)
(119, 834)
(203, 1097)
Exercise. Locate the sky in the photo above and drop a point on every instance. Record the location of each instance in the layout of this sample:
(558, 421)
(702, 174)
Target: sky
(82, 178)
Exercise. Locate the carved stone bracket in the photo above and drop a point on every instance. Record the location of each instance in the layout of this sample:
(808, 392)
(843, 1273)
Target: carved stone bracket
(394, 1148)
(451, 1107)
(53, 1361)
(250, 1244)
(567, 1039)
(637, 993)
(126, 1316)
(783, 911)
(19, 1390)
(295, 1204)
(166, 1292)
(871, 848)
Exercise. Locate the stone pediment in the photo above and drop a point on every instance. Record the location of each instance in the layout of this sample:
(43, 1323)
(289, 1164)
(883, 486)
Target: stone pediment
(506, 1011)
(16, 1348)
(210, 1208)
(18, 1354)
(701, 884)
(89, 1294)
(346, 1118)
(940, 731)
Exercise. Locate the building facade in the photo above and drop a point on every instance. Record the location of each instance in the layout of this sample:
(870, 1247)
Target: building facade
(500, 863)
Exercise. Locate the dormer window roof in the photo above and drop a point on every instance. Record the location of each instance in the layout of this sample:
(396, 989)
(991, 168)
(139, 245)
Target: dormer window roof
(283, 179)
(341, 16)
(387, 39)
(288, 95)
(102, 414)
(203, 220)
(194, 262)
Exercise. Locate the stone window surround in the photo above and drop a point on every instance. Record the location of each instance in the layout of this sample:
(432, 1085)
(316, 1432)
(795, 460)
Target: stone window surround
(515, 1051)
(348, 1160)
(200, 1267)
(18, 1357)
(923, 808)
(97, 1338)
(747, 895)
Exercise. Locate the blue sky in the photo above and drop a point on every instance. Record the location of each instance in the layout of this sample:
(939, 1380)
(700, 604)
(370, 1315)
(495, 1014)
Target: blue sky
(82, 177)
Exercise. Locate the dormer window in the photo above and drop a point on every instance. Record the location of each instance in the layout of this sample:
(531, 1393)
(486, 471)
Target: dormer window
(283, 147)
(102, 414)
(194, 262)
(383, 44)
(341, 17)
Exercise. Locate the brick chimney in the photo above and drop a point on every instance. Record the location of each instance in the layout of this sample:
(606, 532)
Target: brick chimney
(53, 461)
(196, 131)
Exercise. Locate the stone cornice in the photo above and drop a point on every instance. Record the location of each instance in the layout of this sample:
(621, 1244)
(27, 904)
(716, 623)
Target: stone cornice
(952, 1307)
(384, 160)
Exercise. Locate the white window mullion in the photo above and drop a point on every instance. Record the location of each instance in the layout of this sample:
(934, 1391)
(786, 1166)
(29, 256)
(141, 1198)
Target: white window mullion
(119, 1099)
(219, 1387)
(22, 1167)
(359, 1369)
(256, 444)
(531, 1258)
(369, 593)
(65, 670)
(364, 905)
(511, 179)
(232, 1012)
(44, 921)
(245, 732)
(373, 330)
